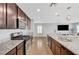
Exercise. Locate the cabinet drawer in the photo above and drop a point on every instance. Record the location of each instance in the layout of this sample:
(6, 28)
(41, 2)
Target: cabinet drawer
(12, 52)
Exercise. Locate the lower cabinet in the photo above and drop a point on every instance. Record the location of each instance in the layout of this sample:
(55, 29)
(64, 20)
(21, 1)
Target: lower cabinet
(12, 52)
(63, 51)
(53, 47)
(50, 42)
(18, 50)
(57, 48)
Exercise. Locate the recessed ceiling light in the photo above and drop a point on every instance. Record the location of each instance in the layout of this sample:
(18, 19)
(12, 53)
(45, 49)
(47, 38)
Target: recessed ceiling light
(57, 14)
(68, 17)
(38, 10)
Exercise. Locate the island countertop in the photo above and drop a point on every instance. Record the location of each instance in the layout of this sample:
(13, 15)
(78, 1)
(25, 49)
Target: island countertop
(8, 45)
(73, 46)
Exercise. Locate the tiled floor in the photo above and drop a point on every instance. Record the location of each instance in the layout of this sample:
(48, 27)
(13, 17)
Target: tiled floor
(39, 47)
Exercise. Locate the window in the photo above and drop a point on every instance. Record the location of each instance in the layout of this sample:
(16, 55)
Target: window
(77, 28)
(39, 29)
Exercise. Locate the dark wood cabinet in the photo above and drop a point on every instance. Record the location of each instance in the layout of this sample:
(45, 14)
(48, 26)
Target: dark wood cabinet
(49, 42)
(12, 52)
(57, 48)
(21, 15)
(2, 15)
(22, 18)
(11, 15)
(20, 49)
(53, 47)
(28, 22)
(65, 51)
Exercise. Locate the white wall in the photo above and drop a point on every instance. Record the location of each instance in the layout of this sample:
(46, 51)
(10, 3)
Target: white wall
(47, 28)
(5, 33)
(50, 28)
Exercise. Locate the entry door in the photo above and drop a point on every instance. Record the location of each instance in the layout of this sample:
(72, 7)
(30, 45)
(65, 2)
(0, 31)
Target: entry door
(39, 29)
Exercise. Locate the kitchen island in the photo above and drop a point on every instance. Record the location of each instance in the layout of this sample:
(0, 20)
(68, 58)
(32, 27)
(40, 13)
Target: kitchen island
(63, 45)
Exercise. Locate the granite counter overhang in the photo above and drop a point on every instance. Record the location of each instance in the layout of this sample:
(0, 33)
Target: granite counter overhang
(8, 45)
(71, 46)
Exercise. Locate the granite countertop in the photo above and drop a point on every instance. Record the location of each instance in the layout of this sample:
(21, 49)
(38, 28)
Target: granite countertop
(8, 45)
(73, 45)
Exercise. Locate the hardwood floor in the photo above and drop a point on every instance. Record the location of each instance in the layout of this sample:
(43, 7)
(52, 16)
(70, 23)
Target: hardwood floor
(39, 47)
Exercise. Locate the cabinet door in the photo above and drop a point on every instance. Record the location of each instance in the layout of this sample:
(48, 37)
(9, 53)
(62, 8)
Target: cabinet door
(53, 46)
(12, 52)
(11, 15)
(22, 18)
(63, 51)
(58, 48)
(49, 42)
(2, 15)
(20, 49)
(29, 23)
(21, 15)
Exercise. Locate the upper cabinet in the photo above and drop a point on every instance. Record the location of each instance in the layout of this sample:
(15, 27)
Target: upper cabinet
(21, 15)
(28, 23)
(22, 19)
(11, 16)
(2, 15)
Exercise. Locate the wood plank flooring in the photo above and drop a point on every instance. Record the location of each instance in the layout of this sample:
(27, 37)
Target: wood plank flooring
(39, 47)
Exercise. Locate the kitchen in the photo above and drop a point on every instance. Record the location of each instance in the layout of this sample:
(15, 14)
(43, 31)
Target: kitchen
(39, 29)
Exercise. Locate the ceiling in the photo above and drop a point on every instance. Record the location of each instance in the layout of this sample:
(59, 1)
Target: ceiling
(54, 14)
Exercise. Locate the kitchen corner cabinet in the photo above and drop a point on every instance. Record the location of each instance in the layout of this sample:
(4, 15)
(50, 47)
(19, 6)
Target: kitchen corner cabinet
(57, 48)
(11, 15)
(18, 50)
(2, 15)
